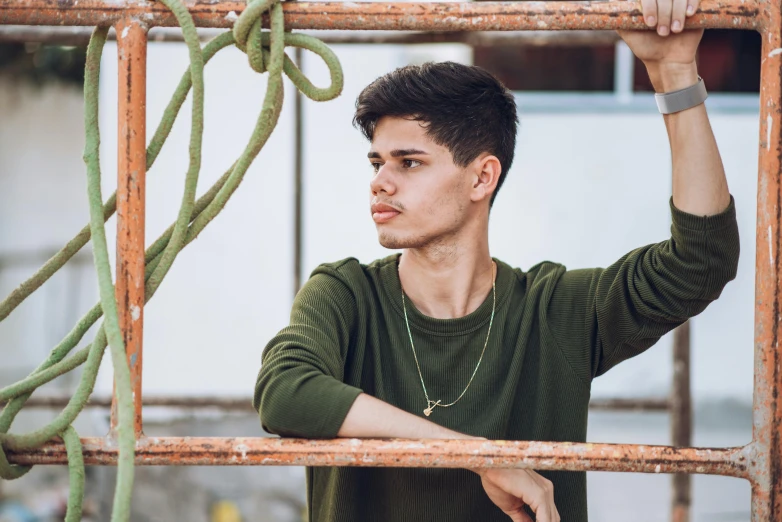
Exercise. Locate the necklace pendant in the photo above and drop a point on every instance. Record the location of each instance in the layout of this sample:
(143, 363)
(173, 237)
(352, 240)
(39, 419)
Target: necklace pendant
(430, 406)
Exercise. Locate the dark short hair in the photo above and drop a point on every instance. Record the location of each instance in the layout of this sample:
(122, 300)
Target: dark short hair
(465, 108)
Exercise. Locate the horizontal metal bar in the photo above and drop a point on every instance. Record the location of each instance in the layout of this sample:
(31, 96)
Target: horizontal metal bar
(205, 451)
(640, 404)
(27, 258)
(80, 37)
(410, 16)
(243, 404)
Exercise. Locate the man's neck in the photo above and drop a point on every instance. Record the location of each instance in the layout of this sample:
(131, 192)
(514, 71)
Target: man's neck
(447, 281)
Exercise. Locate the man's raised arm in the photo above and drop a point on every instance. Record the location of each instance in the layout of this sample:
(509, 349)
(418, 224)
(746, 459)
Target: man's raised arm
(699, 184)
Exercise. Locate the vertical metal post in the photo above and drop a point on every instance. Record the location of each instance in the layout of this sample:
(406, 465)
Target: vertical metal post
(766, 454)
(681, 420)
(298, 203)
(624, 67)
(131, 181)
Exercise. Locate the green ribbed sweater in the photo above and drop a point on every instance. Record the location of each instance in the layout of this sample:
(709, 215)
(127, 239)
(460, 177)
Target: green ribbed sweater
(554, 331)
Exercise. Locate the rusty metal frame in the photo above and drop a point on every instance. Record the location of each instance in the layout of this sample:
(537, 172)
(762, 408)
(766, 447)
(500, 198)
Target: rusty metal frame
(760, 461)
(243, 405)
(226, 451)
(80, 36)
(419, 16)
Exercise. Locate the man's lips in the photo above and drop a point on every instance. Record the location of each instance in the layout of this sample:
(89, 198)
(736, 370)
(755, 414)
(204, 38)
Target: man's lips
(382, 213)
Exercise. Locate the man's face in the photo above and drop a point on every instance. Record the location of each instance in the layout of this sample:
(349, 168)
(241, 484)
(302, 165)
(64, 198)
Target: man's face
(418, 196)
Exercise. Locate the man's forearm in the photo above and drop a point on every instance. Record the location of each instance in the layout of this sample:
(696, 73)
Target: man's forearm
(509, 489)
(699, 184)
(372, 418)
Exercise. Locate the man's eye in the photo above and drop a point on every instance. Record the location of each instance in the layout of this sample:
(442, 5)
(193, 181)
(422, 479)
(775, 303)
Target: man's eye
(410, 163)
(375, 167)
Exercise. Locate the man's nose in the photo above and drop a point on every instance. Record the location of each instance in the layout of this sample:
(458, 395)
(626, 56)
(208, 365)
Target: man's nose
(382, 181)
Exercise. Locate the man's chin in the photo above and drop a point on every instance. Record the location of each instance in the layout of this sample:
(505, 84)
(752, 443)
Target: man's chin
(390, 244)
(395, 242)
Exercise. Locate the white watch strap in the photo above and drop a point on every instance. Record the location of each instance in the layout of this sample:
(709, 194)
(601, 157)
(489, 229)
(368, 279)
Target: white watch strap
(683, 99)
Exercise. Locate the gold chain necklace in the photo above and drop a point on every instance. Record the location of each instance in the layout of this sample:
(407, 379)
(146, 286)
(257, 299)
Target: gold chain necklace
(430, 404)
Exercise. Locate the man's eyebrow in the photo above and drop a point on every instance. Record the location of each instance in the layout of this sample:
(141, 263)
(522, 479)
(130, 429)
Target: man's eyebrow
(398, 153)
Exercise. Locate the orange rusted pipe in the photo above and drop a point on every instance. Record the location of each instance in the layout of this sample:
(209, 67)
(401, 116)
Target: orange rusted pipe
(418, 16)
(212, 451)
(766, 462)
(681, 420)
(244, 404)
(80, 36)
(131, 181)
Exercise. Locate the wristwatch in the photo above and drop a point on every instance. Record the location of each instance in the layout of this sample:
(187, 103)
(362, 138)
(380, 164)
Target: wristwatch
(683, 99)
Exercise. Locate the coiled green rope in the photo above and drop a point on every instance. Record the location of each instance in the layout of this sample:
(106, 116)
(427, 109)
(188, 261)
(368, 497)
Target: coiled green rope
(265, 51)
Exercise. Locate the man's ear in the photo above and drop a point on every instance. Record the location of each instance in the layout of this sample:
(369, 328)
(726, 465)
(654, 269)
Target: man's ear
(486, 169)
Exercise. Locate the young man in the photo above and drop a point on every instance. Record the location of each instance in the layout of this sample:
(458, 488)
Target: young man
(443, 341)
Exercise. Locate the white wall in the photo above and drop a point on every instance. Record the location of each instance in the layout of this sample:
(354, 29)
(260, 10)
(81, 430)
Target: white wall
(584, 189)
(43, 203)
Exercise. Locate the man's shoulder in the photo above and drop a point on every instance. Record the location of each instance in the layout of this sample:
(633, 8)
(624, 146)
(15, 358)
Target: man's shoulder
(538, 283)
(349, 264)
(361, 277)
(351, 268)
(542, 272)
(353, 274)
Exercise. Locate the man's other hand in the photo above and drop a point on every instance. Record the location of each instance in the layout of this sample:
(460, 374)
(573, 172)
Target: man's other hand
(668, 16)
(671, 44)
(512, 489)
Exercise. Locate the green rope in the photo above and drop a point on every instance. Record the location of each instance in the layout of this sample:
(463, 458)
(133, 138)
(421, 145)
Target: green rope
(111, 328)
(178, 235)
(18, 295)
(76, 473)
(55, 366)
(265, 52)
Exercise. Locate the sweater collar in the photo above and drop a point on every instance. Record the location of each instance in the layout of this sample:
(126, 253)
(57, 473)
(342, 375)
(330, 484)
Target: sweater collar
(389, 274)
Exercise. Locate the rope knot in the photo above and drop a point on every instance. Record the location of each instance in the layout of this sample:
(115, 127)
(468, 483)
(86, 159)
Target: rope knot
(248, 33)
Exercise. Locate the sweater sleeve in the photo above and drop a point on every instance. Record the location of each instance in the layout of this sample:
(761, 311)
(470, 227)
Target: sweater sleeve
(600, 317)
(299, 391)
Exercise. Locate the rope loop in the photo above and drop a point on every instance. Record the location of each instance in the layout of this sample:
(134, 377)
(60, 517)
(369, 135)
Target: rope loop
(253, 41)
